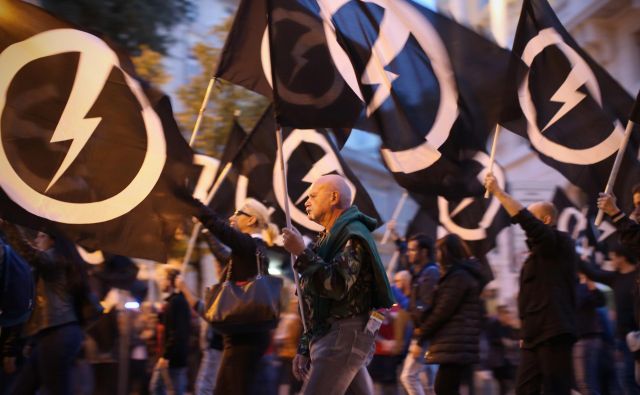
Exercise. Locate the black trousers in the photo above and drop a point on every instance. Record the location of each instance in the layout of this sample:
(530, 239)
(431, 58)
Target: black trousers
(546, 368)
(449, 377)
(239, 363)
(49, 367)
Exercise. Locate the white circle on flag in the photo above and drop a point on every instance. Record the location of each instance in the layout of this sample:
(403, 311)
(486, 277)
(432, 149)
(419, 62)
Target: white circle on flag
(59, 41)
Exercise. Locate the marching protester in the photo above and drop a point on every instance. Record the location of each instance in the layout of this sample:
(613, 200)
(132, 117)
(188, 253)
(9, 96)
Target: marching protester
(53, 329)
(343, 282)
(453, 326)
(247, 234)
(546, 301)
(425, 275)
(623, 281)
(170, 372)
(628, 230)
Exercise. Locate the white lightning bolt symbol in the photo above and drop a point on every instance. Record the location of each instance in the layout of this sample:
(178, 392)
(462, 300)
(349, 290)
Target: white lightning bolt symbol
(93, 71)
(392, 37)
(568, 93)
(324, 166)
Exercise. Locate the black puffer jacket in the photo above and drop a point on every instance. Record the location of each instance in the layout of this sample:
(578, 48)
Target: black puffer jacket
(454, 325)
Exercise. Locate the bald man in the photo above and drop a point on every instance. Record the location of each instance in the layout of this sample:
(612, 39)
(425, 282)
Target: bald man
(343, 282)
(546, 301)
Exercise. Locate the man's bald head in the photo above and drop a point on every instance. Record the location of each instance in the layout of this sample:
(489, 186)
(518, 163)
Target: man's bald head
(328, 197)
(338, 184)
(545, 212)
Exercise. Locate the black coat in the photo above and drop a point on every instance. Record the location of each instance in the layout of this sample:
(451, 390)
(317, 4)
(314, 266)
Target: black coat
(547, 298)
(453, 327)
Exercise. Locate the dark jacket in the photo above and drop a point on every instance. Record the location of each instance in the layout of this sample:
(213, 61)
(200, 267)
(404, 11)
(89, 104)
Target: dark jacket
(546, 302)
(588, 301)
(629, 233)
(423, 287)
(454, 324)
(177, 325)
(624, 293)
(55, 301)
(342, 275)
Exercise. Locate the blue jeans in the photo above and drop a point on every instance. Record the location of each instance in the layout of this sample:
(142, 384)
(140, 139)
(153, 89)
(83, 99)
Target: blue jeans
(339, 358)
(50, 365)
(176, 376)
(586, 352)
(629, 385)
(412, 374)
(208, 371)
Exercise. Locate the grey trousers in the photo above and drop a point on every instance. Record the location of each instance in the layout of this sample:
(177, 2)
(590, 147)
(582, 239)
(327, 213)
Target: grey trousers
(339, 359)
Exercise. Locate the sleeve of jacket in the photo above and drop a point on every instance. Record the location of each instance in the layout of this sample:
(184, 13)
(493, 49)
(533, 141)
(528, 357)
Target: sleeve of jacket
(427, 287)
(40, 260)
(332, 279)
(595, 273)
(240, 243)
(176, 327)
(629, 232)
(219, 250)
(451, 293)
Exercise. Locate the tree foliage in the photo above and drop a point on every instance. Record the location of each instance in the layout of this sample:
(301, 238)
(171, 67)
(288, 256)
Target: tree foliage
(225, 98)
(130, 23)
(149, 66)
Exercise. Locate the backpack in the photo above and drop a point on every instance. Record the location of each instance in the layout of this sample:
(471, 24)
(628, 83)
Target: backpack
(17, 289)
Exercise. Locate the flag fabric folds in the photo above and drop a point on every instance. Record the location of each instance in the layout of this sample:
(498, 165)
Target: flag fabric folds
(569, 108)
(476, 220)
(309, 91)
(424, 83)
(578, 223)
(86, 149)
(256, 173)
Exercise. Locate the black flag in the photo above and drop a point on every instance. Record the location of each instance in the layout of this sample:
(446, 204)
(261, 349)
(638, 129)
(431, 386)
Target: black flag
(310, 91)
(427, 84)
(308, 153)
(569, 108)
(85, 148)
(429, 87)
(476, 220)
(578, 222)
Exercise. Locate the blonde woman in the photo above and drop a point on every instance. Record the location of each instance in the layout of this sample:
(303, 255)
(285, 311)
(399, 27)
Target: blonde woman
(247, 233)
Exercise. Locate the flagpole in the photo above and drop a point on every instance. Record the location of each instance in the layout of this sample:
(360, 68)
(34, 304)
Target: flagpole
(492, 159)
(287, 214)
(394, 216)
(616, 167)
(203, 107)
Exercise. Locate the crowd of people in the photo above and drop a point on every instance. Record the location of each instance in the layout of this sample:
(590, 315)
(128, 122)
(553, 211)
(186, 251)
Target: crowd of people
(432, 329)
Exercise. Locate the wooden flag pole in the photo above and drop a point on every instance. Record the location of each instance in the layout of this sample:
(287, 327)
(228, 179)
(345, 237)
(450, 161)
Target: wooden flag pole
(634, 119)
(203, 107)
(394, 216)
(283, 171)
(616, 167)
(492, 159)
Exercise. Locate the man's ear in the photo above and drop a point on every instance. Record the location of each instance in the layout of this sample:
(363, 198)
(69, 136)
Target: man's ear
(252, 220)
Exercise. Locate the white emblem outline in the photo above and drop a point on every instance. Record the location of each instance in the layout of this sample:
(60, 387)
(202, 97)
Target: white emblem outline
(558, 152)
(57, 41)
(426, 154)
(490, 213)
